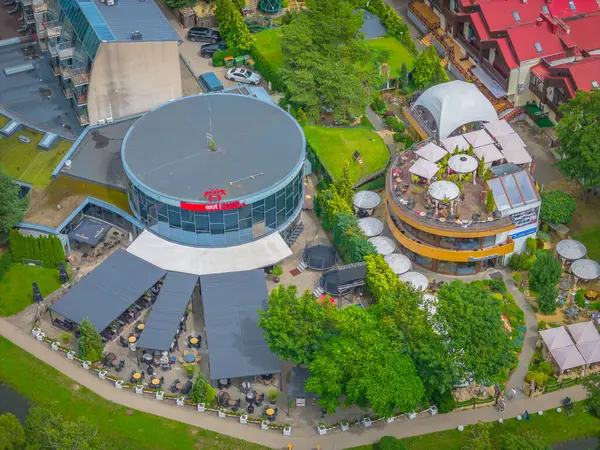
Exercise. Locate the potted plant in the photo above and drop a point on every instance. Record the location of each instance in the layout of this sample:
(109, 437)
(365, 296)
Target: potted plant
(276, 271)
(344, 425)
(287, 430)
(367, 421)
(322, 428)
(190, 371)
(273, 395)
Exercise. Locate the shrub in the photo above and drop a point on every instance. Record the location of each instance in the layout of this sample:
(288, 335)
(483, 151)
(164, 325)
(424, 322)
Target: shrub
(545, 367)
(540, 378)
(399, 137)
(497, 285)
(557, 207)
(547, 299)
(65, 337)
(202, 391)
(395, 124)
(542, 325)
(546, 270)
(579, 298)
(267, 70)
(408, 142)
(531, 246)
(284, 4)
(517, 277)
(445, 402)
(389, 113)
(273, 395)
(90, 342)
(47, 249)
(218, 58)
(543, 236)
(5, 263)
(390, 443)
(378, 105)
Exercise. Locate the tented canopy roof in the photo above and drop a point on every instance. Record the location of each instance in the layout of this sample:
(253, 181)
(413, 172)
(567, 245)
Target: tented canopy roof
(489, 153)
(567, 357)
(444, 190)
(462, 163)
(583, 332)
(89, 231)
(107, 291)
(556, 338)
(510, 140)
(432, 152)
(366, 199)
(571, 249)
(384, 245)
(450, 143)
(416, 279)
(586, 269)
(499, 128)
(424, 168)
(478, 138)
(454, 104)
(236, 345)
(371, 226)
(516, 154)
(398, 262)
(263, 252)
(590, 351)
(167, 311)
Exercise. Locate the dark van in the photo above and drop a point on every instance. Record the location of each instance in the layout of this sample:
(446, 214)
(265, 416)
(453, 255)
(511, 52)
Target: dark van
(210, 82)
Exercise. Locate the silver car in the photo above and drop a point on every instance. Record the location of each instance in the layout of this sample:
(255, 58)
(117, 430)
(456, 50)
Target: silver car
(243, 76)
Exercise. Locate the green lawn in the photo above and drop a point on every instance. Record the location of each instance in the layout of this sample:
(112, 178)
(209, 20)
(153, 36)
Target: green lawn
(3, 121)
(590, 237)
(268, 45)
(15, 287)
(26, 162)
(397, 52)
(336, 145)
(552, 426)
(44, 385)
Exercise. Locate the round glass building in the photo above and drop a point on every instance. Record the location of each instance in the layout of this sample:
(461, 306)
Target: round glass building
(215, 170)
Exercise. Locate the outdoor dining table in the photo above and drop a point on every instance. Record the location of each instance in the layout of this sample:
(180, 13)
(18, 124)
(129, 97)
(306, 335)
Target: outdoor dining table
(232, 402)
(270, 412)
(178, 386)
(250, 397)
(140, 326)
(132, 339)
(194, 340)
(155, 381)
(189, 358)
(137, 375)
(148, 357)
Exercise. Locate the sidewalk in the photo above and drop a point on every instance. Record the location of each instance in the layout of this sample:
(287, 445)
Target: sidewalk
(302, 438)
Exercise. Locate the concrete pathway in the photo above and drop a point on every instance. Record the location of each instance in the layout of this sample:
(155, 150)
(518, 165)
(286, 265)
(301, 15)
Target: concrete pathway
(375, 119)
(302, 438)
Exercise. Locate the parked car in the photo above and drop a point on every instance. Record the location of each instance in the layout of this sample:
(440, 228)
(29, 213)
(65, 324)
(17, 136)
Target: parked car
(199, 34)
(243, 76)
(208, 50)
(210, 82)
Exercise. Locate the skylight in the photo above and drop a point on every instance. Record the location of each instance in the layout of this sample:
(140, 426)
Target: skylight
(516, 16)
(538, 47)
(572, 6)
(595, 84)
(545, 9)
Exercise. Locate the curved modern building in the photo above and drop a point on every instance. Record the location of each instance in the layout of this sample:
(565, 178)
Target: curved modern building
(445, 217)
(215, 170)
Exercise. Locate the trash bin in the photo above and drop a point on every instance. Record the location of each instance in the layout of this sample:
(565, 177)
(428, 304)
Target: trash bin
(251, 63)
(239, 61)
(228, 60)
(247, 58)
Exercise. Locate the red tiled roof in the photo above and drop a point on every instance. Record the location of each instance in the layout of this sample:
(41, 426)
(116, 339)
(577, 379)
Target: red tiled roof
(479, 26)
(468, 3)
(498, 15)
(562, 9)
(523, 41)
(583, 72)
(507, 53)
(540, 70)
(585, 32)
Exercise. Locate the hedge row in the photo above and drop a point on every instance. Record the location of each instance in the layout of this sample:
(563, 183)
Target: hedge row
(268, 71)
(218, 58)
(5, 263)
(47, 249)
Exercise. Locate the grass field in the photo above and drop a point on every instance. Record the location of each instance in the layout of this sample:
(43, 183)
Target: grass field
(26, 162)
(267, 44)
(397, 53)
(15, 287)
(552, 426)
(590, 237)
(336, 145)
(3, 121)
(43, 385)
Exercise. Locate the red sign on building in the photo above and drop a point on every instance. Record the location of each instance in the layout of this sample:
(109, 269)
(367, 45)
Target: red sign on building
(212, 195)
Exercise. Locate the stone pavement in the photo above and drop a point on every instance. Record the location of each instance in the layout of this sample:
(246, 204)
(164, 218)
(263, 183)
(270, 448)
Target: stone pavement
(303, 438)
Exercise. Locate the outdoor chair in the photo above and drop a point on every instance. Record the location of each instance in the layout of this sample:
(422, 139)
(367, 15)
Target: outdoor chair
(150, 370)
(250, 409)
(123, 341)
(187, 387)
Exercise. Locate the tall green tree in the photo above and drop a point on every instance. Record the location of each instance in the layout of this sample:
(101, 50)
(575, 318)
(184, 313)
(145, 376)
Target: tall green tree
(202, 391)
(180, 4)
(12, 209)
(90, 342)
(327, 64)
(579, 133)
(12, 436)
(380, 278)
(295, 326)
(546, 270)
(557, 207)
(403, 76)
(232, 25)
(478, 437)
(344, 184)
(547, 298)
(365, 363)
(428, 69)
(332, 205)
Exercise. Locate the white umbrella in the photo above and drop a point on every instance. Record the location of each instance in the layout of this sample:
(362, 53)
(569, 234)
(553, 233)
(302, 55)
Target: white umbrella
(571, 249)
(371, 226)
(586, 269)
(462, 163)
(444, 190)
(424, 168)
(432, 152)
(366, 200)
(384, 245)
(499, 128)
(416, 279)
(478, 138)
(398, 262)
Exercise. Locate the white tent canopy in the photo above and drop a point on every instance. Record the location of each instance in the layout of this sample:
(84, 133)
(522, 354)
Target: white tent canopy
(586, 269)
(432, 152)
(590, 351)
(167, 255)
(571, 249)
(451, 143)
(462, 163)
(516, 154)
(424, 168)
(556, 338)
(567, 357)
(398, 262)
(583, 332)
(371, 226)
(444, 190)
(384, 245)
(366, 200)
(499, 128)
(478, 138)
(510, 140)
(454, 104)
(489, 153)
(416, 279)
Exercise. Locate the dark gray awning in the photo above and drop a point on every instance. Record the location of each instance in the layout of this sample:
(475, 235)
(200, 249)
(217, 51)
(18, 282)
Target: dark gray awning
(106, 292)
(89, 231)
(236, 345)
(493, 86)
(168, 309)
(298, 377)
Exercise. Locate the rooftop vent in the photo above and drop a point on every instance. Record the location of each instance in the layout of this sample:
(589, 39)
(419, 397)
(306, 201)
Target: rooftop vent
(136, 35)
(595, 84)
(523, 1)
(538, 47)
(516, 16)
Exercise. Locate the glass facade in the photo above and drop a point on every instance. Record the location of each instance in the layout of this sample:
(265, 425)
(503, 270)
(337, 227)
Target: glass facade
(219, 228)
(90, 34)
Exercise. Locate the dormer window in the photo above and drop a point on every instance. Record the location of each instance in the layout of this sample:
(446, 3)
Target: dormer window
(516, 16)
(538, 47)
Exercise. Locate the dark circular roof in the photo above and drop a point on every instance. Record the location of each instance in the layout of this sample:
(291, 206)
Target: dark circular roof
(256, 145)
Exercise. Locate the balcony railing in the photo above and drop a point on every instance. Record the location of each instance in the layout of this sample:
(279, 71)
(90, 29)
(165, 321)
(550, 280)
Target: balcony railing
(39, 6)
(84, 120)
(65, 72)
(55, 69)
(66, 50)
(53, 29)
(471, 49)
(533, 87)
(80, 77)
(431, 25)
(82, 99)
(67, 92)
(29, 18)
(493, 72)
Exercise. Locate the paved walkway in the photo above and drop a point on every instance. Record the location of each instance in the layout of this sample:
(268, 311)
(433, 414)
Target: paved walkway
(374, 118)
(302, 438)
